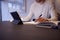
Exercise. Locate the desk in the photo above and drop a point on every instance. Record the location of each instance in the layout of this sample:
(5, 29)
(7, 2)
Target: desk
(9, 31)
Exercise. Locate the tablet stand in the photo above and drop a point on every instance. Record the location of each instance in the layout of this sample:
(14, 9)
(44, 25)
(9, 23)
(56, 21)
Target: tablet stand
(17, 19)
(17, 22)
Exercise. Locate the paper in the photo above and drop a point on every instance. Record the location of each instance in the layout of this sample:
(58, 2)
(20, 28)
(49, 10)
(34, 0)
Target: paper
(32, 22)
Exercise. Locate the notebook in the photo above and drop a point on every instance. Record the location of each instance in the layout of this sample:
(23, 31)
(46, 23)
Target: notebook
(50, 24)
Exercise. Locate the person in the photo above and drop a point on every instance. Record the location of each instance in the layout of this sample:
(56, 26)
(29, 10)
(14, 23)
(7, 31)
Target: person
(42, 10)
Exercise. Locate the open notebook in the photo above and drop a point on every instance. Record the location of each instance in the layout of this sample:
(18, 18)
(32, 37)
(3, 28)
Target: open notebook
(51, 24)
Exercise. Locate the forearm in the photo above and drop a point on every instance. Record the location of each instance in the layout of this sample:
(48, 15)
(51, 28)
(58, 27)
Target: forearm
(28, 17)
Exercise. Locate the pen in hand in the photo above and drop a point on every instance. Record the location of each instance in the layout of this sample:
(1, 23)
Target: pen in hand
(38, 18)
(40, 15)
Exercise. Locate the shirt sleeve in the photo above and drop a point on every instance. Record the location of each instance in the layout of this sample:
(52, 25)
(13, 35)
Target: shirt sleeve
(29, 16)
(52, 12)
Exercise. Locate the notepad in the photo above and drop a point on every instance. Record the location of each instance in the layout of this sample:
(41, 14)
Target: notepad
(50, 24)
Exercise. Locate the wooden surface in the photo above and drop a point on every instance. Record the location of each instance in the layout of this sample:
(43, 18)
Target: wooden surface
(9, 31)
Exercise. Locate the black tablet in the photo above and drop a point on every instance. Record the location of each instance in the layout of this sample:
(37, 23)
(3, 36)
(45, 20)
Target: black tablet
(16, 17)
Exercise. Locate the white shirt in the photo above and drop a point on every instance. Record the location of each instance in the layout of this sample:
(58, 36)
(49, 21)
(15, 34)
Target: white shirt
(45, 9)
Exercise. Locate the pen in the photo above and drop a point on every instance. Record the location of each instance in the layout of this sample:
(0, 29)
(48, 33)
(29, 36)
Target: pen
(40, 15)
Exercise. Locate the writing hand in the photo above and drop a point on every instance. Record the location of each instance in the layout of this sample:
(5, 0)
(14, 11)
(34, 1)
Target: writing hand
(41, 19)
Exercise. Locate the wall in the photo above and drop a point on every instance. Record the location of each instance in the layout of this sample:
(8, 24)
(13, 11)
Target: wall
(6, 16)
(57, 5)
(0, 12)
(5, 13)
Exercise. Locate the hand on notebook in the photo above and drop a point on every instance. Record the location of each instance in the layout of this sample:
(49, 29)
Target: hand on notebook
(41, 19)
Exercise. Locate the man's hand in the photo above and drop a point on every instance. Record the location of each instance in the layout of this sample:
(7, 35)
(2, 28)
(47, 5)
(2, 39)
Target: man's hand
(41, 19)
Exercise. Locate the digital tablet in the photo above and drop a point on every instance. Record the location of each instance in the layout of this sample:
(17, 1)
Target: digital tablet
(16, 17)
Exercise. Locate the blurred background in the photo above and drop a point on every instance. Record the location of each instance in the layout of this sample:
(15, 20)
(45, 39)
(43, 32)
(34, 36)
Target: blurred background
(21, 6)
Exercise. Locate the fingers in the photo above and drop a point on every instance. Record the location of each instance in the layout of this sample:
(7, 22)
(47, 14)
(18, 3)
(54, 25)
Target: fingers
(41, 20)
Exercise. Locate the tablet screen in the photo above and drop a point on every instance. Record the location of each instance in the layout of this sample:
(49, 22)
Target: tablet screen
(15, 15)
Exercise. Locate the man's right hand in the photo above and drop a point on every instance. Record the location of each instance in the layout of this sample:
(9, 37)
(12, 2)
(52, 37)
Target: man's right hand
(41, 19)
